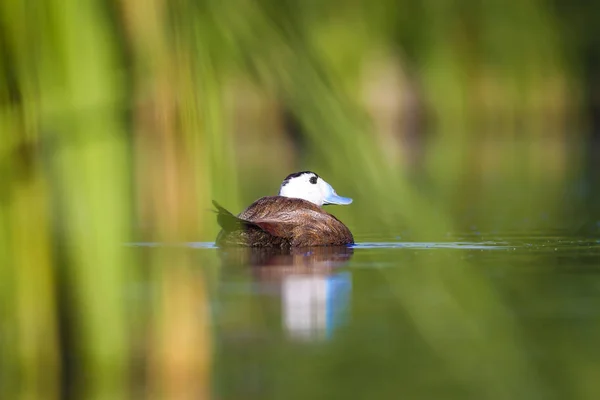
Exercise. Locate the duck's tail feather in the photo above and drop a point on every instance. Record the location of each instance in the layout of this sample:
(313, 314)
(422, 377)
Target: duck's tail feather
(220, 209)
(230, 222)
(227, 220)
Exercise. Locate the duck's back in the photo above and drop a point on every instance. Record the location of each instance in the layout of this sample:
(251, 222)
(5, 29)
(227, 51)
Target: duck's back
(277, 221)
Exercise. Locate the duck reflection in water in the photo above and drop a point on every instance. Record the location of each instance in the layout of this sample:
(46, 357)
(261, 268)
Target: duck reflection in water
(314, 293)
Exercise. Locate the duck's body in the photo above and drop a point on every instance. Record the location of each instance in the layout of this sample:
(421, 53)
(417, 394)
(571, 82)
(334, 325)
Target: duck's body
(277, 221)
(282, 221)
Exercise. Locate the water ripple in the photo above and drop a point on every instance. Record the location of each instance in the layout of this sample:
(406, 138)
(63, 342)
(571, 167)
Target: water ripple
(434, 245)
(555, 244)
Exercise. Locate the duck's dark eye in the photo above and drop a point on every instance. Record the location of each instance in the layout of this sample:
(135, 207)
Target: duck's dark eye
(313, 180)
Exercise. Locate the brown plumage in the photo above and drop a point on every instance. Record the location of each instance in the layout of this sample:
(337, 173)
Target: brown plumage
(278, 221)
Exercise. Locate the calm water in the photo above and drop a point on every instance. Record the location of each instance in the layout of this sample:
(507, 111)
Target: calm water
(505, 306)
(498, 316)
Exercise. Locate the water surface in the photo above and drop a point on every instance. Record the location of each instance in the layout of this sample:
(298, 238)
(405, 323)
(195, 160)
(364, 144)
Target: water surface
(477, 316)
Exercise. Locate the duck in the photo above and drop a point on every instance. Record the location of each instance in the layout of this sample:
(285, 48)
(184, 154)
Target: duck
(292, 219)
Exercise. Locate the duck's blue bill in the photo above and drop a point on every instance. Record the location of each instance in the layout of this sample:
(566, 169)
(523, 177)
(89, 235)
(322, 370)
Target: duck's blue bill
(335, 199)
(331, 197)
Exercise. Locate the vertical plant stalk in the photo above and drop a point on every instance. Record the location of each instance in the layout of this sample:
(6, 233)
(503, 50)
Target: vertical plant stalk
(80, 95)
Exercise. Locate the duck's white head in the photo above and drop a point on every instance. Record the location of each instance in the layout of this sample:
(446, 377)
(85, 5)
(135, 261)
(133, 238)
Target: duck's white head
(309, 186)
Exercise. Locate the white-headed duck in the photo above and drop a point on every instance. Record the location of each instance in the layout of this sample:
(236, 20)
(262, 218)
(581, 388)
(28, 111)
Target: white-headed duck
(294, 218)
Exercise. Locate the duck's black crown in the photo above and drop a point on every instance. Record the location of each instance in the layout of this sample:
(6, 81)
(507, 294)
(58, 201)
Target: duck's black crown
(297, 174)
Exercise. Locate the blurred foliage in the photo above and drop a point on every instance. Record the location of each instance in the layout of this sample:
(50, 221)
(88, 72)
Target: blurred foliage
(121, 120)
